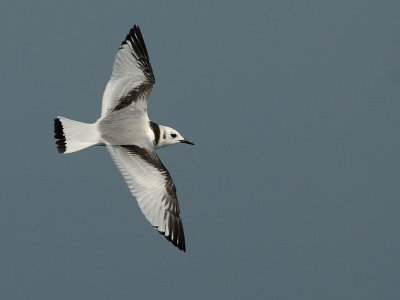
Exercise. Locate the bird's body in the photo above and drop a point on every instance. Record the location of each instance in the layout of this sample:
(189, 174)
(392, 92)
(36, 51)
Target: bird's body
(131, 138)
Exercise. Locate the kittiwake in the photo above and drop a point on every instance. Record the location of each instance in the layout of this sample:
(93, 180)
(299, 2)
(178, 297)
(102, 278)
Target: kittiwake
(125, 129)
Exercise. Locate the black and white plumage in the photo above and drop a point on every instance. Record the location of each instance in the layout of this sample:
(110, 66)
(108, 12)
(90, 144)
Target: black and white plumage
(131, 138)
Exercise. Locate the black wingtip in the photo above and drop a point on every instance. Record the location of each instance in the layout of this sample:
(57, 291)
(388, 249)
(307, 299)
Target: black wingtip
(180, 244)
(59, 136)
(135, 37)
(138, 46)
(177, 237)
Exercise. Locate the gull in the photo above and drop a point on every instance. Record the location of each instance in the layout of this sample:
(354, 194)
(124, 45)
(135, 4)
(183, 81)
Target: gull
(125, 129)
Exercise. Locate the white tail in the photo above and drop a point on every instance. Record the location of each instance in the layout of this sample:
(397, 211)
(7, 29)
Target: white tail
(73, 135)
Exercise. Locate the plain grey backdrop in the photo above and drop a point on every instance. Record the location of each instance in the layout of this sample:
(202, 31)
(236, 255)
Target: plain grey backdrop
(291, 192)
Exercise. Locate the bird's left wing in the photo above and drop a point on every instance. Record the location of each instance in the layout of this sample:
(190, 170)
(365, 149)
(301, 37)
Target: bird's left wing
(151, 184)
(132, 77)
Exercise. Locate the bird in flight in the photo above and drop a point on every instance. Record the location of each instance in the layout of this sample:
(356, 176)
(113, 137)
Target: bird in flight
(125, 129)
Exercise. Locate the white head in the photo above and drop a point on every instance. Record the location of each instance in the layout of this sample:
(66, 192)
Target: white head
(169, 136)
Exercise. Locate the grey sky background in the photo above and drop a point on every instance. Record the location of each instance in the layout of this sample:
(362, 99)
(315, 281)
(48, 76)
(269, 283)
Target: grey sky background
(291, 192)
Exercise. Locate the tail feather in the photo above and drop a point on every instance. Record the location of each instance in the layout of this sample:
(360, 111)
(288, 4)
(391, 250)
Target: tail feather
(73, 136)
(59, 136)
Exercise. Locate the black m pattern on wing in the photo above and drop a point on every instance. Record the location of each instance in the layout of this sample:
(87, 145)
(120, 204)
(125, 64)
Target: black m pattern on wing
(138, 92)
(174, 227)
(152, 159)
(135, 43)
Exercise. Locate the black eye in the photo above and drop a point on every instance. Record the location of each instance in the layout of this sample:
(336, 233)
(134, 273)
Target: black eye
(173, 135)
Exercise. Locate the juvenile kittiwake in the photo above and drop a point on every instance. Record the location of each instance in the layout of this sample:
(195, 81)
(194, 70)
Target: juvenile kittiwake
(131, 138)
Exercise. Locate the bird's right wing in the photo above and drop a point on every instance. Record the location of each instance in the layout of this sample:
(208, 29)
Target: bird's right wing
(150, 182)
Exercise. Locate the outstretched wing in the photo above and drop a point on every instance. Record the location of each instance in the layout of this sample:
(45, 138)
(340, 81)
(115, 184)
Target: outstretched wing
(151, 184)
(132, 77)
